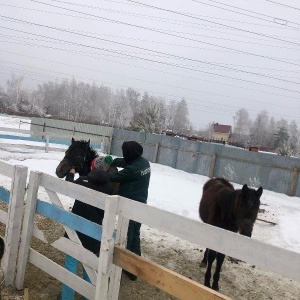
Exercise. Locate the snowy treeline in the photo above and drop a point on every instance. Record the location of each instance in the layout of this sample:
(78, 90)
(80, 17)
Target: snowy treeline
(129, 109)
(82, 102)
(266, 131)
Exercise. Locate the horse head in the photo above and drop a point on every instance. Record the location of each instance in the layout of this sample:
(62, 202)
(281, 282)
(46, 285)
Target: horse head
(247, 209)
(79, 156)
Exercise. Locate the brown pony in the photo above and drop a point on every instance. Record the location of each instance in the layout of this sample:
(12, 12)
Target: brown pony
(235, 210)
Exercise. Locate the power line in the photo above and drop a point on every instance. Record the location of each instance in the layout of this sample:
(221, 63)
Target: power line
(212, 37)
(253, 12)
(293, 7)
(160, 62)
(155, 17)
(170, 34)
(173, 56)
(243, 66)
(222, 95)
(175, 12)
(175, 96)
(196, 17)
(222, 83)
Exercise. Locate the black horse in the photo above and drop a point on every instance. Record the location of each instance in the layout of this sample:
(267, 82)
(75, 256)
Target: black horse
(79, 156)
(235, 210)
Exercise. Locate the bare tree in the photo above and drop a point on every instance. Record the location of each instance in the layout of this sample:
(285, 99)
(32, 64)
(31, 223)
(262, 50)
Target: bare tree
(181, 118)
(259, 129)
(242, 123)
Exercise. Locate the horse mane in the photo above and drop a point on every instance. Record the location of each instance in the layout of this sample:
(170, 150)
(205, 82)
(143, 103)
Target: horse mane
(84, 144)
(228, 202)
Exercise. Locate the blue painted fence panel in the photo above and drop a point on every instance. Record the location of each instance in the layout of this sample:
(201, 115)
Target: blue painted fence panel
(69, 219)
(4, 195)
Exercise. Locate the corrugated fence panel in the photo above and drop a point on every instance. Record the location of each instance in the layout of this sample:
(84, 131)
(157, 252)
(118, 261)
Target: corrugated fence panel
(275, 173)
(205, 157)
(121, 135)
(96, 133)
(168, 151)
(152, 146)
(187, 156)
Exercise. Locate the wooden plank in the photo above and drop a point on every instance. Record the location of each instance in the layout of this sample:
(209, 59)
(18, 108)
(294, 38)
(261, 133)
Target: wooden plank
(14, 222)
(4, 194)
(105, 265)
(69, 219)
(171, 282)
(121, 241)
(6, 169)
(74, 191)
(71, 233)
(60, 273)
(26, 294)
(77, 251)
(3, 217)
(30, 146)
(27, 228)
(268, 257)
(39, 234)
(16, 130)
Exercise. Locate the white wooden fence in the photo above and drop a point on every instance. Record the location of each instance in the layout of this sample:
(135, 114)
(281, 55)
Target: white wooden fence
(46, 136)
(12, 219)
(105, 271)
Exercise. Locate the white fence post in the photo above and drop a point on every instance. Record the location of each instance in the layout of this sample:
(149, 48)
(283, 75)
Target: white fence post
(14, 222)
(114, 284)
(27, 229)
(106, 250)
(47, 142)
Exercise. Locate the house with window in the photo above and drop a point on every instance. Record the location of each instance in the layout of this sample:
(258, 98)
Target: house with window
(221, 132)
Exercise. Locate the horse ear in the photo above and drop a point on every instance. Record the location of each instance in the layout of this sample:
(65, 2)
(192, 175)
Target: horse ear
(72, 141)
(259, 192)
(88, 143)
(244, 189)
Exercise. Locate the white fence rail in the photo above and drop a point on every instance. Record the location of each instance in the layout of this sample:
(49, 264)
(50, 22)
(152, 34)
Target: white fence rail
(46, 136)
(104, 273)
(12, 219)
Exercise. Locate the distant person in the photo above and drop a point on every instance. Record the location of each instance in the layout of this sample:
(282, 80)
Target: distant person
(134, 181)
(98, 180)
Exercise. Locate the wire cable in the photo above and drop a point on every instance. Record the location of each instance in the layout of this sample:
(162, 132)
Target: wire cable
(170, 64)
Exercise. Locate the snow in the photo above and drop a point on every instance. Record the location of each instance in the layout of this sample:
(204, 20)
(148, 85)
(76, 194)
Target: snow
(173, 190)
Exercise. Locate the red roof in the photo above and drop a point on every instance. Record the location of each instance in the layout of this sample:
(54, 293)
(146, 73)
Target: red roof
(221, 128)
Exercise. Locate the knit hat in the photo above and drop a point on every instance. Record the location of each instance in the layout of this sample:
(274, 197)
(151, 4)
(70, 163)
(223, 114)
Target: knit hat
(131, 150)
(102, 163)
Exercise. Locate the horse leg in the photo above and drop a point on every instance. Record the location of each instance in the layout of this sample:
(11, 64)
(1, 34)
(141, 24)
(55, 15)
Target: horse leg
(211, 255)
(203, 262)
(220, 260)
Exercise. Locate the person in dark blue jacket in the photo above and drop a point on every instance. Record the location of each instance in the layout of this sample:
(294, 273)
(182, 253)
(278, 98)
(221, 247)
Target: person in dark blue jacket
(134, 181)
(98, 180)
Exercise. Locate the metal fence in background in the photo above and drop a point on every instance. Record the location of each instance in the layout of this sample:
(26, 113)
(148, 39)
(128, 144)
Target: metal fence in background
(100, 136)
(275, 173)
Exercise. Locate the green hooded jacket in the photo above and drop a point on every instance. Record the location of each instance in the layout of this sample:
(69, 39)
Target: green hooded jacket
(135, 177)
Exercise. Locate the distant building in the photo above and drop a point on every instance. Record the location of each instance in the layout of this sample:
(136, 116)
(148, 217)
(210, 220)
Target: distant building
(221, 132)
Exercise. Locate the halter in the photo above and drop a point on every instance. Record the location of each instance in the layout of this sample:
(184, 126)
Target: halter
(77, 161)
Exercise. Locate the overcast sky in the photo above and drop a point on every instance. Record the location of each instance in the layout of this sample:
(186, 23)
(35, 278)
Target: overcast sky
(219, 55)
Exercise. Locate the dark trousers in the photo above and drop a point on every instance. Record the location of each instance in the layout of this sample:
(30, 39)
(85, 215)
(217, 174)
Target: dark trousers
(133, 237)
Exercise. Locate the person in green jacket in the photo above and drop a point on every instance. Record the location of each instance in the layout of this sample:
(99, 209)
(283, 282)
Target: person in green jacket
(134, 181)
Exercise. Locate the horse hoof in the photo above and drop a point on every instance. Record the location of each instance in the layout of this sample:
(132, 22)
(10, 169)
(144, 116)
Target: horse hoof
(215, 287)
(207, 284)
(202, 264)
